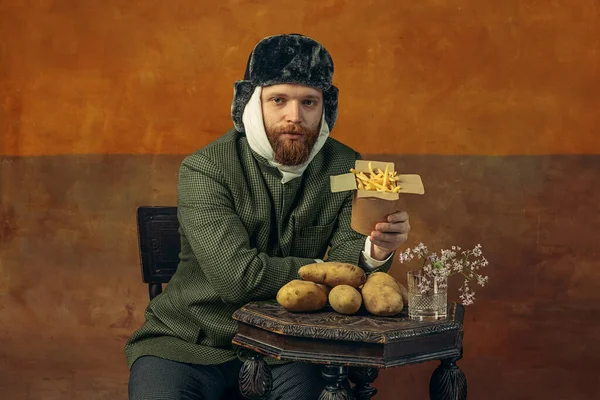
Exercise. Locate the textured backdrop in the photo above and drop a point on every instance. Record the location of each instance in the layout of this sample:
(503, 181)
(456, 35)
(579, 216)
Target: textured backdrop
(495, 104)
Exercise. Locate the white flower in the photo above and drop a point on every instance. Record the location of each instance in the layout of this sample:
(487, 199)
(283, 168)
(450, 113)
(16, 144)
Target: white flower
(448, 263)
(482, 280)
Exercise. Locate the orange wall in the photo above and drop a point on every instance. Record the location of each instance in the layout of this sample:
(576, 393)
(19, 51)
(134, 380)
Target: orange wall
(117, 92)
(428, 77)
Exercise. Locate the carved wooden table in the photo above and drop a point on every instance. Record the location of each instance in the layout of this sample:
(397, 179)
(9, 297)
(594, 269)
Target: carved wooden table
(351, 347)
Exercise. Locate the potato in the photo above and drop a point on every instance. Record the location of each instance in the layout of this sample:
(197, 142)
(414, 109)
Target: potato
(383, 278)
(333, 274)
(387, 279)
(382, 295)
(301, 296)
(324, 288)
(345, 299)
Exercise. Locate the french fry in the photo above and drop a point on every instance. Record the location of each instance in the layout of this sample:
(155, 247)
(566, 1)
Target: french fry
(380, 181)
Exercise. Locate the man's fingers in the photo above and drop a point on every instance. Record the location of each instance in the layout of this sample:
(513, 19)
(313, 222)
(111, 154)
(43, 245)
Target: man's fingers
(398, 227)
(390, 235)
(386, 239)
(401, 216)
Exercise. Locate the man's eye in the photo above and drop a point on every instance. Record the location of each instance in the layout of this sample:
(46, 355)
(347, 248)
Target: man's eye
(277, 100)
(309, 102)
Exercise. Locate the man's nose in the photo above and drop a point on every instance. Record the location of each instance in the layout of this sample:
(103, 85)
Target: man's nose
(293, 112)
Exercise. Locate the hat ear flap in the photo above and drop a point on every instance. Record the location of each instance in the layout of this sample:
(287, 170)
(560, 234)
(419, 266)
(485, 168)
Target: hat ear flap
(330, 105)
(242, 92)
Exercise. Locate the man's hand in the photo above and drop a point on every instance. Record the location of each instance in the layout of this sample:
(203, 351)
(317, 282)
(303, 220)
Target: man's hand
(388, 236)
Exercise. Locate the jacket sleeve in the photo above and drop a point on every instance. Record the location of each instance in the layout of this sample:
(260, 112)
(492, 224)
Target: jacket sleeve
(346, 244)
(236, 271)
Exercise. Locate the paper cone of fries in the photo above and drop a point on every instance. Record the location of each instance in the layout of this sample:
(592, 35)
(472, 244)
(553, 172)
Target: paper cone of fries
(377, 187)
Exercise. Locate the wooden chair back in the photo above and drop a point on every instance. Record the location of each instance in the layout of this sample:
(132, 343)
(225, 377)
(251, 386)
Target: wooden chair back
(159, 245)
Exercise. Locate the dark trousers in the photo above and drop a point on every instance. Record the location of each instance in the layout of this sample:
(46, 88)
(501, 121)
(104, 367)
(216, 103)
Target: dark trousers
(153, 378)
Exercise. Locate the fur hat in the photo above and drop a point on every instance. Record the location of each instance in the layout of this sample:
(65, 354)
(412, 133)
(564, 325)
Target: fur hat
(290, 58)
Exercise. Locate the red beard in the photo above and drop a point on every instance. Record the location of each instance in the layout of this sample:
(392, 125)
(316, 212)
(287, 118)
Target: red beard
(292, 151)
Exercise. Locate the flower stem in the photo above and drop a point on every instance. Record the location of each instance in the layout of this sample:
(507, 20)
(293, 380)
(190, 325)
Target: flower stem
(424, 258)
(466, 276)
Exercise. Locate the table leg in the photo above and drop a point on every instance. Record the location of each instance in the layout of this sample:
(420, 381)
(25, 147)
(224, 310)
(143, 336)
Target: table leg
(448, 382)
(335, 375)
(362, 377)
(255, 379)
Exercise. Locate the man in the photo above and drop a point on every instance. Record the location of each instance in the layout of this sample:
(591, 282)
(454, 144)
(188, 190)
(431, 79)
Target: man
(254, 206)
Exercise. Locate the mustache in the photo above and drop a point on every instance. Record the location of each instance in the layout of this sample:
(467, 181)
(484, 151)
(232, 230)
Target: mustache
(292, 130)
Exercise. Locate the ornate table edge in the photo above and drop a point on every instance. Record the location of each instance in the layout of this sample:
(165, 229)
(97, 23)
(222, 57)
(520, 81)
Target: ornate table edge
(251, 317)
(303, 356)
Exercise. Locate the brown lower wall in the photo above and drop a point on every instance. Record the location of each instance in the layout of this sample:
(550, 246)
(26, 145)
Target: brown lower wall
(70, 288)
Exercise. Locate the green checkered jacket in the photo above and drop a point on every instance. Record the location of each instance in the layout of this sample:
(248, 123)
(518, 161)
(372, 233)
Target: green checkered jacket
(244, 235)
